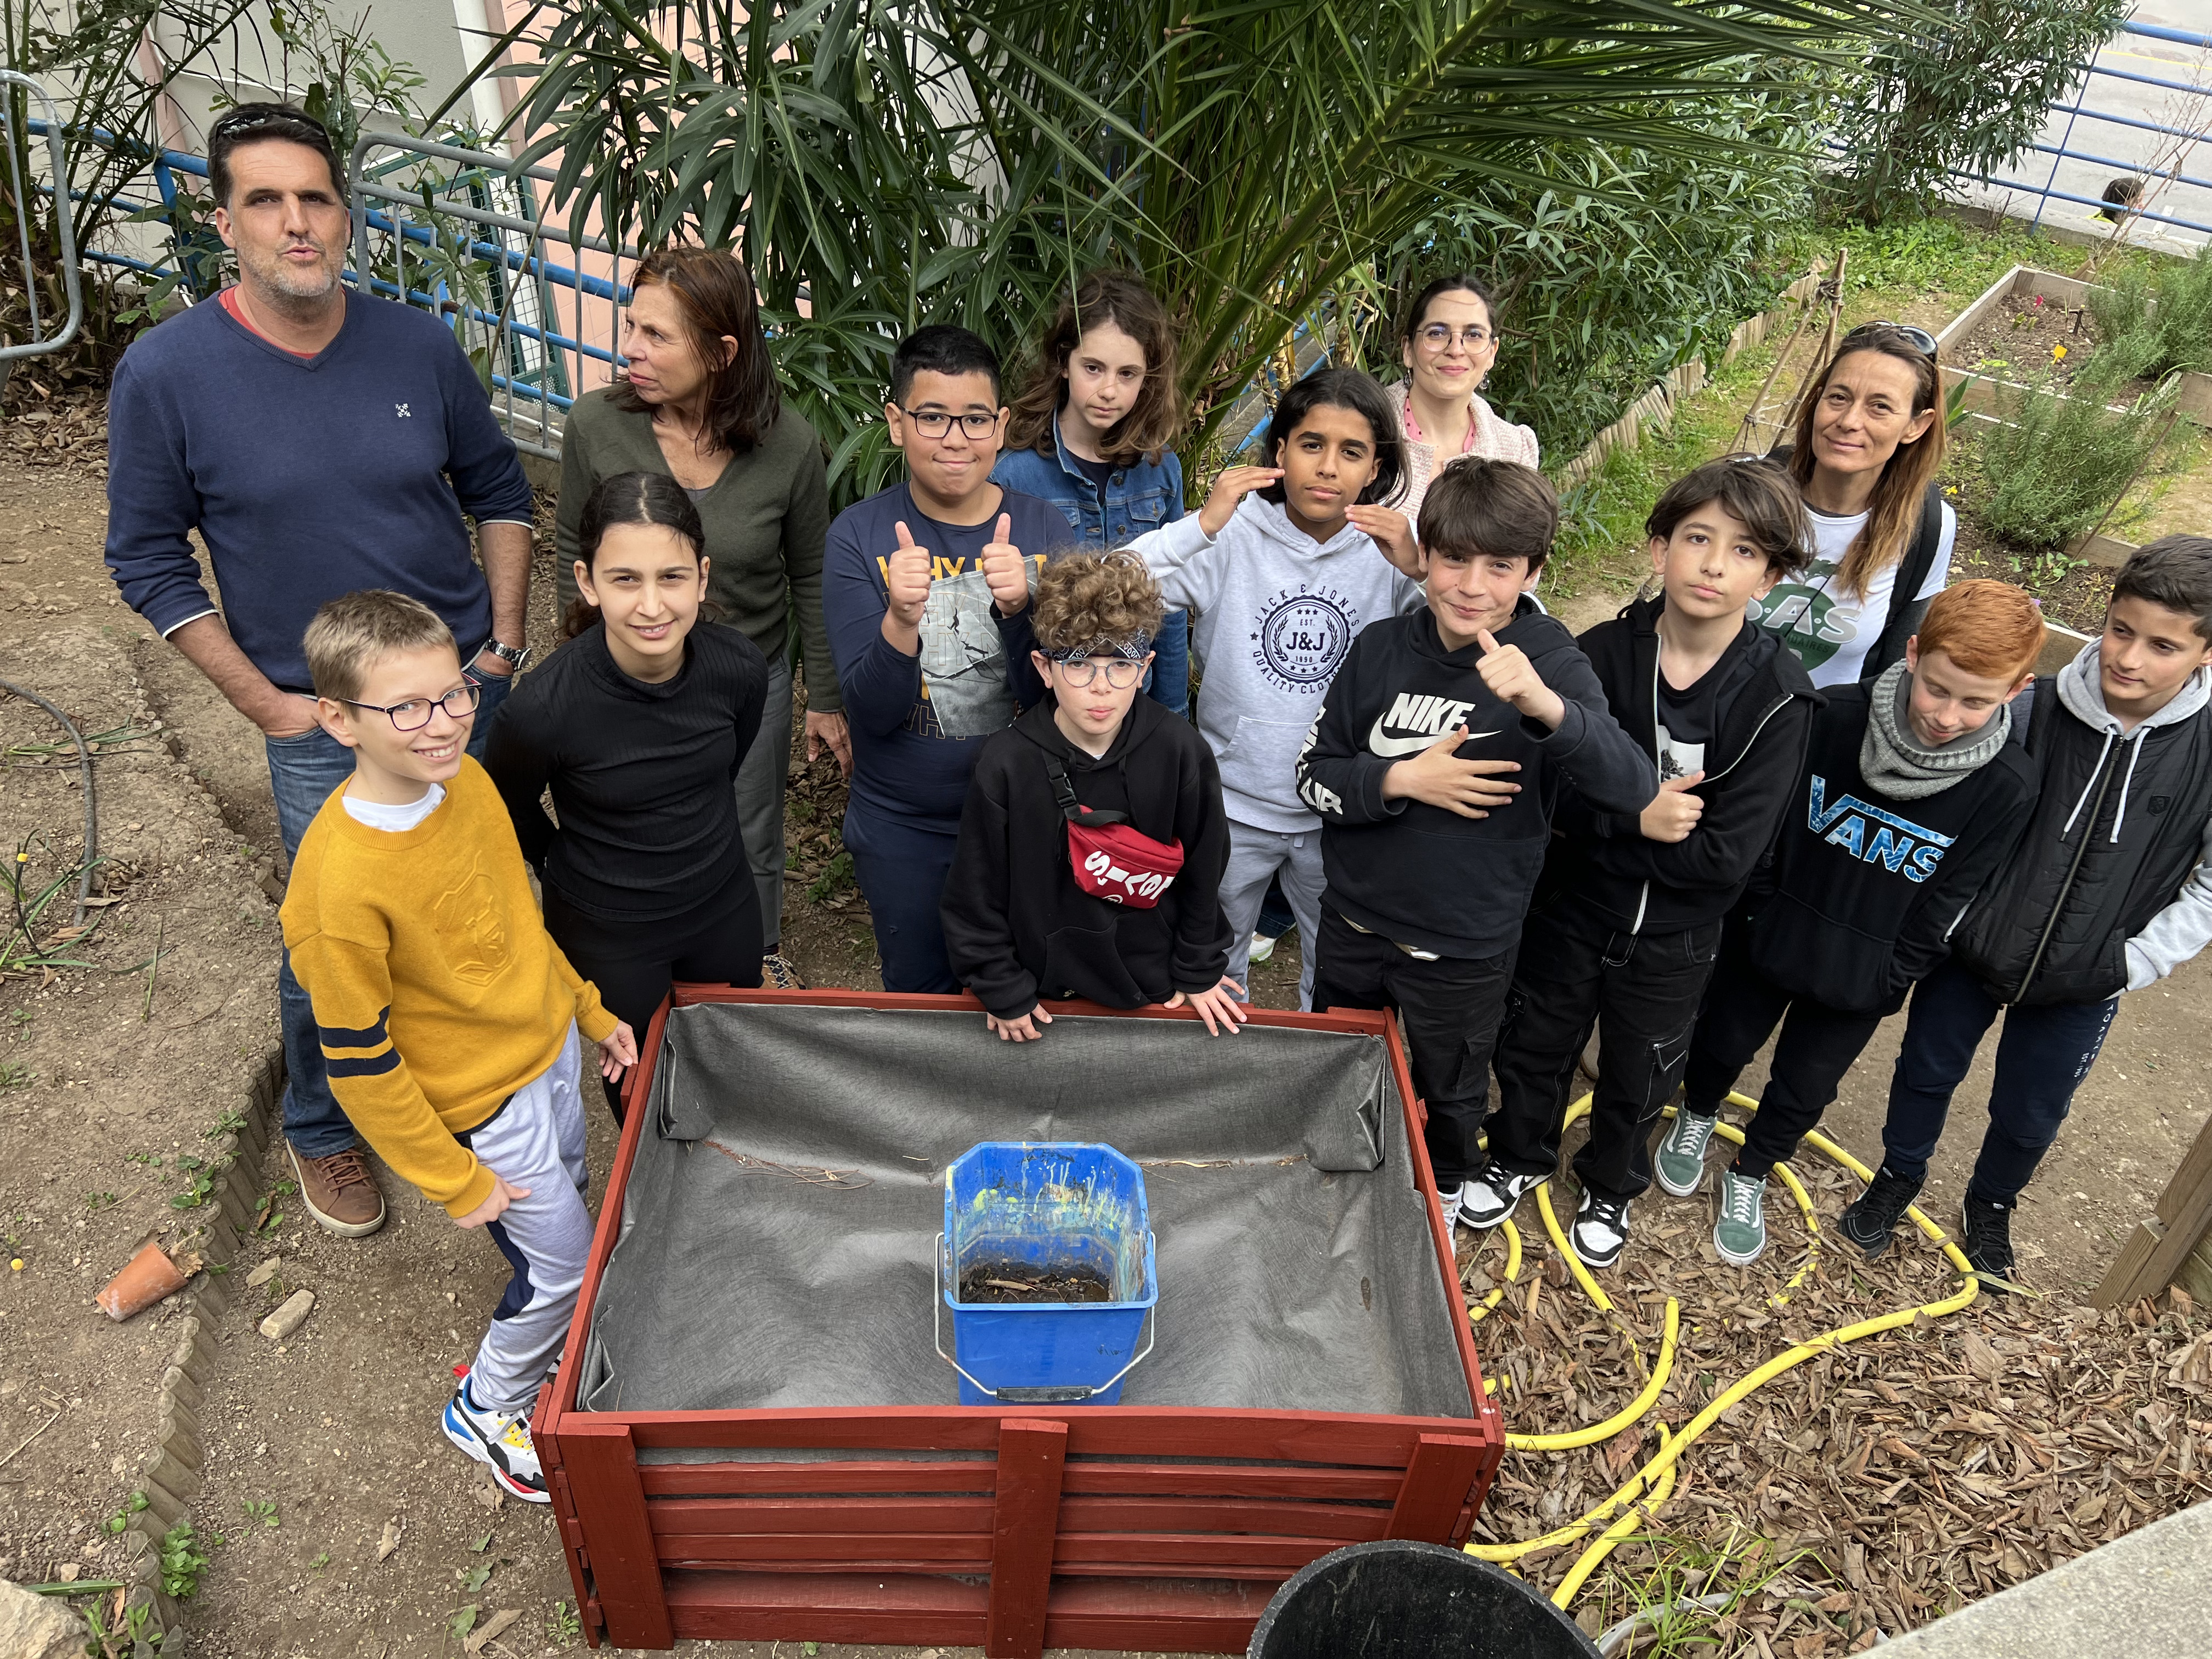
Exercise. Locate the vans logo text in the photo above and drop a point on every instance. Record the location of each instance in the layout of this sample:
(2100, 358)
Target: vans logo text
(1870, 834)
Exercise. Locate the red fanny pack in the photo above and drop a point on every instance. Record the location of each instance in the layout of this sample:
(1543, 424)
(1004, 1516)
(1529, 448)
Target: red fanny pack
(1111, 857)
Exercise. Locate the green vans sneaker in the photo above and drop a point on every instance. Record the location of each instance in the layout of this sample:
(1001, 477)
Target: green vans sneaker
(1680, 1163)
(1739, 1235)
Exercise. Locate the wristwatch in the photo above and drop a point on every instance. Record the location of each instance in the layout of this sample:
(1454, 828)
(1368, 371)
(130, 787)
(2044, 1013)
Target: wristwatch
(515, 656)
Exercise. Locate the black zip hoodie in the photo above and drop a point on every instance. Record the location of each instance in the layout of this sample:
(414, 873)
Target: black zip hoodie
(1763, 710)
(1018, 928)
(1863, 891)
(1417, 874)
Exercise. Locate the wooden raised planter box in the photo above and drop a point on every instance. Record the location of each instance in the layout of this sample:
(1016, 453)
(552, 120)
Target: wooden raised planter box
(1117, 1527)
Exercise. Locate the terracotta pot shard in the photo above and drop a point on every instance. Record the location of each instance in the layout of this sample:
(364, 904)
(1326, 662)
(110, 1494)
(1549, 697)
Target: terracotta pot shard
(145, 1279)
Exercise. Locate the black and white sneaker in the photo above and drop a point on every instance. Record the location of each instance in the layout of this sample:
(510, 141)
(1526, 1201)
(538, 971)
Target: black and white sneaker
(1494, 1195)
(1601, 1229)
(1448, 1197)
(1871, 1219)
(1987, 1242)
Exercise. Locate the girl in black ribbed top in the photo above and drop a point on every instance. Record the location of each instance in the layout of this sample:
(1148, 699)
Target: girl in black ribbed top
(638, 725)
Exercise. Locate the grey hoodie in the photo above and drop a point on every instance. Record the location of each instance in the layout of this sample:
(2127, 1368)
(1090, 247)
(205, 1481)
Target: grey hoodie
(2184, 926)
(1276, 613)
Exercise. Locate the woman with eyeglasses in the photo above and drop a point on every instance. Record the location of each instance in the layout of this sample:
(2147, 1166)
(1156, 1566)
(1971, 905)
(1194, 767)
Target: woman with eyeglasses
(1865, 447)
(1449, 345)
(638, 726)
(699, 404)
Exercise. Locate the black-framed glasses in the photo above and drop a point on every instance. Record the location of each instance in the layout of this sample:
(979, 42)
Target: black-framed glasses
(1438, 337)
(935, 422)
(1912, 331)
(1120, 672)
(414, 714)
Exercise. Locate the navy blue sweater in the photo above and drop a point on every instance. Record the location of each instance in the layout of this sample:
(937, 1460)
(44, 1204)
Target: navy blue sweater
(307, 478)
(918, 722)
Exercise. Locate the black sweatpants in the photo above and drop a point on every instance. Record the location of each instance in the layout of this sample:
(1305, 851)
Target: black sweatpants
(1817, 1046)
(1642, 990)
(1450, 1007)
(633, 962)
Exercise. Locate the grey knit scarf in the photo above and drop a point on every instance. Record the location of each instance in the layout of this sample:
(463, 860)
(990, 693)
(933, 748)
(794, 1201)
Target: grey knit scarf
(1897, 764)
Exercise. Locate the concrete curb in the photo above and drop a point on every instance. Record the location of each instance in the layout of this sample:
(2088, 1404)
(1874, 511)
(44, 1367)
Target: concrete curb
(171, 1478)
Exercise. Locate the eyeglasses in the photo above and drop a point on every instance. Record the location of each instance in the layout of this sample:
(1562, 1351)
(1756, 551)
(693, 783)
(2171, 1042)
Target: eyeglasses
(1919, 336)
(935, 423)
(414, 714)
(1438, 336)
(1120, 672)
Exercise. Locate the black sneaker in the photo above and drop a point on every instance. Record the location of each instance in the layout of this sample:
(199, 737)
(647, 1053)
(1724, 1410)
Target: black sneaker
(1494, 1195)
(1601, 1229)
(1987, 1241)
(1874, 1215)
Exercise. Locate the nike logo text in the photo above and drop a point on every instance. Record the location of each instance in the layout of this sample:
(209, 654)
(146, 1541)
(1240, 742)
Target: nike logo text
(1429, 717)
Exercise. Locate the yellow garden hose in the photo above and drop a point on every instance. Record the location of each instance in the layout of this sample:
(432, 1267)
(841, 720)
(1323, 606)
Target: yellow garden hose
(1658, 1474)
(1476, 1311)
(1570, 1586)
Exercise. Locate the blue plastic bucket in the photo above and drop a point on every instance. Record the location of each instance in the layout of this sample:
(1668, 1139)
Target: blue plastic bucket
(1052, 1207)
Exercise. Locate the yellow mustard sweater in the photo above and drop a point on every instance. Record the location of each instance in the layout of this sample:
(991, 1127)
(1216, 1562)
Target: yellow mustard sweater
(437, 990)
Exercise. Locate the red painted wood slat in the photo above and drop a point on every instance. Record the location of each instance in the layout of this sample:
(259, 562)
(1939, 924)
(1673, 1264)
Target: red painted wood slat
(1180, 1514)
(812, 1514)
(602, 1470)
(1031, 1453)
(841, 1476)
(1443, 1470)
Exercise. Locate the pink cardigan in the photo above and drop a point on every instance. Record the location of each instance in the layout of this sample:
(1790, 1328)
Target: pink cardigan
(1494, 437)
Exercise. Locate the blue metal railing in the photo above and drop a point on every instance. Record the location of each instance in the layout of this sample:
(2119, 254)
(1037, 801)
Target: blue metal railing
(2077, 109)
(529, 403)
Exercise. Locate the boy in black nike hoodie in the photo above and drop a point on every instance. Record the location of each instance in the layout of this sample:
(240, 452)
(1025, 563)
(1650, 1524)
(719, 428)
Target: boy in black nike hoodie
(1915, 788)
(1133, 915)
(1631, 902)
(1445, 741)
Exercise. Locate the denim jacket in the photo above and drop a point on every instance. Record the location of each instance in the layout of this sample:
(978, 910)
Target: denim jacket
(1138, 499)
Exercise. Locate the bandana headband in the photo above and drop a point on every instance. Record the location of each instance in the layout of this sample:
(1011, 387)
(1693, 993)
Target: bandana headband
(1132, 649)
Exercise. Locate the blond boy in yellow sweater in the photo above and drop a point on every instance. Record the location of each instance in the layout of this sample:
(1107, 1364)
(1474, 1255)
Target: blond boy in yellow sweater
(448, 1017)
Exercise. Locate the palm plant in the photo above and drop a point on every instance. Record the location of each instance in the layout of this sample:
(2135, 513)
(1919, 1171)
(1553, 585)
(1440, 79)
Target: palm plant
(880, 164)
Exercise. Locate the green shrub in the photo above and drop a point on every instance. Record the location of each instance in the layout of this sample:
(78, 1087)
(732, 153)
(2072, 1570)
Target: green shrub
(2152, 321)
(2059, 465)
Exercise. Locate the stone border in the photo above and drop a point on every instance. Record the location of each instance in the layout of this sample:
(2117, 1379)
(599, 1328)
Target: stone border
(172, 1476)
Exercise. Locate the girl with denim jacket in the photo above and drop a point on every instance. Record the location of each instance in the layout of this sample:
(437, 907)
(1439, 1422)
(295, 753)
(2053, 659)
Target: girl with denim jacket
(1090, 432)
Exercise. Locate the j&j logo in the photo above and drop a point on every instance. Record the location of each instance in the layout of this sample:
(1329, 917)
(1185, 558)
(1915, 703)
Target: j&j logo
(1302, 637)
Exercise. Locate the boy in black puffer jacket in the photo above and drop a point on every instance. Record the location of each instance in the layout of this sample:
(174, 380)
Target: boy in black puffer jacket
(2109, 890)
(1630, 908)
(1914, 790)
(1093, 840)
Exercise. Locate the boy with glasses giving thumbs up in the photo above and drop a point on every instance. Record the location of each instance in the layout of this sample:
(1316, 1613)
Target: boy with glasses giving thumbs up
(925, 589)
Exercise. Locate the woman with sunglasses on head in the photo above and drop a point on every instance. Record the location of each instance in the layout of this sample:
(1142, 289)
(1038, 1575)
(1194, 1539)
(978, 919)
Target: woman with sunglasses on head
(1448, 346)
(1865, 448)
(699, 404)
(639, 725)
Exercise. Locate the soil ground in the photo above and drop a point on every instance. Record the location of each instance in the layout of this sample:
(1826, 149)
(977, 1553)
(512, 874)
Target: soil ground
(334, 1432)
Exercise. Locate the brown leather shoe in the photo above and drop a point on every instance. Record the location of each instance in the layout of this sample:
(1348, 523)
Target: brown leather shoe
(339, 1191)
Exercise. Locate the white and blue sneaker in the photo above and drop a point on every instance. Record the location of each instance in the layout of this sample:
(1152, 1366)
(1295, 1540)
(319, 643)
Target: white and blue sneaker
(498, 1439)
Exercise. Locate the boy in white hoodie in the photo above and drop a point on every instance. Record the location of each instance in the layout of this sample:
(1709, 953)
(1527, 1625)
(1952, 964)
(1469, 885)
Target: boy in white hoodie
(1279, 582)
(2109, 891)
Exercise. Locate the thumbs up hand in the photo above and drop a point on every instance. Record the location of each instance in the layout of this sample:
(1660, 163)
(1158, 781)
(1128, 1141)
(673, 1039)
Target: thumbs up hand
(1674, 811)
(1511, 677)
(1005, 570)
(905, 581)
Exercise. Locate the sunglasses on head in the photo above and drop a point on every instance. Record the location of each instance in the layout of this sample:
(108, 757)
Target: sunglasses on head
(1918, 336)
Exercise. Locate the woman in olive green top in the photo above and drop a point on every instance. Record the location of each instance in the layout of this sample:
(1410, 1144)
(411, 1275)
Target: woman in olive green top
(701, 403)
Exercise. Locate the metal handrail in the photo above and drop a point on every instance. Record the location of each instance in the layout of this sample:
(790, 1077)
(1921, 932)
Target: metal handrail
(58, 158)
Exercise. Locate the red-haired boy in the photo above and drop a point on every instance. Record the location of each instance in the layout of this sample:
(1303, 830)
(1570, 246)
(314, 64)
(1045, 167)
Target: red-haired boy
(1913, 792)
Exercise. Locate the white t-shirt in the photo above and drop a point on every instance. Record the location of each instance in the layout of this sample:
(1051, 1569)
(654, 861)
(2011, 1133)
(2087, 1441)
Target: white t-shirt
(1830, 631)
(396, 819)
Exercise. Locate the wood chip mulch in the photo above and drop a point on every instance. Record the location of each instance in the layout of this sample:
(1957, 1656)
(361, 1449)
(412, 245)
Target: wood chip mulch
(1875, 1487)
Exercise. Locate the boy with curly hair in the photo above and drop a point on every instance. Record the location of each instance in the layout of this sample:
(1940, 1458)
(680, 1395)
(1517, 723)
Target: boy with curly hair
(1093, 841)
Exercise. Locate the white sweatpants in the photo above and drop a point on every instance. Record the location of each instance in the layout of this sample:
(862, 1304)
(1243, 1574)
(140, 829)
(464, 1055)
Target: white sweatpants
(1254, 857)
(535, 1140)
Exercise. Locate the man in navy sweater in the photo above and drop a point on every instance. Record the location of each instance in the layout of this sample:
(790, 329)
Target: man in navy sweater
(319, 442)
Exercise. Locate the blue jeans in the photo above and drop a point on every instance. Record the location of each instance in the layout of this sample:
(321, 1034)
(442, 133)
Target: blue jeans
(902, 872)
(2042, 1053)
(302, 773)
(1168, 683)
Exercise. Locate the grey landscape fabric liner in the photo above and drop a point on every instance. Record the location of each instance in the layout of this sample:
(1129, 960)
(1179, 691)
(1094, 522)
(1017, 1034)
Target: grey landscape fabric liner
(1295, 1266)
